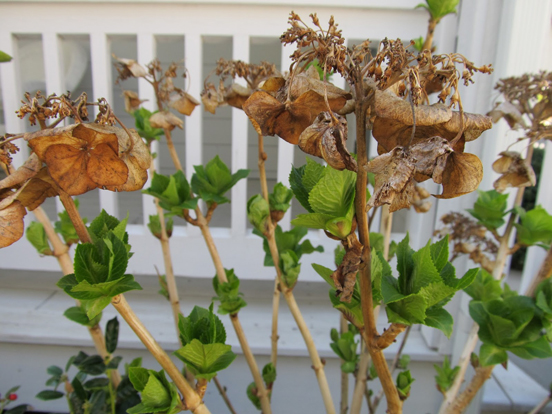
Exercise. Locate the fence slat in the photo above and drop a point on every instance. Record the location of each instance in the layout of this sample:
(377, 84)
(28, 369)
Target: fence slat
(146, 53)
(11, 93)
(240, 51)
(193, 58)
(101, 87)
(285, 149)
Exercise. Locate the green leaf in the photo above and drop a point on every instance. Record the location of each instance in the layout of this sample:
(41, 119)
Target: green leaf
(408, 310)
(92, 365)
(405, 263)
(48, 395)
(53, 370)
(252, 395)
(258, 213)
(439, 253)
(419, 43)
(298, 188)
(325, 273)
(79, 390)
(78, 314)
(484, 287)
(204, 360)
(228, 293)
(269, 373)
(96, 383)
(290, 267)
(4, 57)
(112, 335)
(440, 319)
(490, 208)
(537, 349)
(36, 235)
(280, 198)
(143, 126)
(535, 227)
(439, 8)
(313, 173)
(404, 383)
(445, 375)
(311, 220)
(201, 324)
(491, 355)
(154, 394)
(424, 272)
(64, 226)
(139, 377)
(334, 193)
(154, 226)
(214, 180)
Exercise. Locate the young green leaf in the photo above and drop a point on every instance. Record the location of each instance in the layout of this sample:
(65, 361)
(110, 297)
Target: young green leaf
(215, 179)
(484, 288)
(280, 198)
(173, 192)
(36, 235)
(404, 383)
(205, 360)
(228, 294)
(258, 213)
(48, 395)
(4, 57)
(64, 226)
(154, 226)
(492, 355)
(143, 126)
(112, 335)
(439, 8)
(253, 397)
(445, 375)
(535, 227)
(490, 208)
(201, 324)
(78, 314)
(269, 374)
(290, 267)
(298, 188)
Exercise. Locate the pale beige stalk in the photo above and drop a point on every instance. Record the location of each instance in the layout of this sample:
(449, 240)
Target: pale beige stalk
(545, 271)
(344, 404)
(482, 374)
(61, 253)
(191, 398)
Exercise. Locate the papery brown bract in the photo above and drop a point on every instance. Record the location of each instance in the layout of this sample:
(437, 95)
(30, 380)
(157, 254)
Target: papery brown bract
(37, 189)
(132, 101)
(462, 175)
(516, 172)
(183, 103)
(29, 169)
(326, 139)
(510, 113)
(166, 120)
(129, 68)
(12, 212)
(80, 157)
(344, 276)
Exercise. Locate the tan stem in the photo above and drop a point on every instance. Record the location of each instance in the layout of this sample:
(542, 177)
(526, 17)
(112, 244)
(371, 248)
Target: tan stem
(545, 271)
(482, 374)
(74, 215)
(221, 275)
(388, 337)
(541, 405)
(428, 41)
(172, 150)
(192, 400)
(463, 363)
(311, 347)
(394, 366)
(61, 253)
(394, 404)
(361, 379)
(344, 404)
(222, 392)
(385, 229)
(276, 293)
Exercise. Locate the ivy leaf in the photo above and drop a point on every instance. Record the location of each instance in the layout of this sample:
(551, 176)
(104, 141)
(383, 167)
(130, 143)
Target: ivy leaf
(36, 235)
(490, 208)
(204, 360)
(535, 227)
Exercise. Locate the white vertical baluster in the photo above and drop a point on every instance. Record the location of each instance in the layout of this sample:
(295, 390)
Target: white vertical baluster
(285, 149)
(240, 48)
(53, 71)
(146, 53)
(12, 94)
(193, 58)
(101, 84)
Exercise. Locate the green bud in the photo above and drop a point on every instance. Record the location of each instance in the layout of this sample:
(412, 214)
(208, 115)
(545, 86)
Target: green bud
(258, 213)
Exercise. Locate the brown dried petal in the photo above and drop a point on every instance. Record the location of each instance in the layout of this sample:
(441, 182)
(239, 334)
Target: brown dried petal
(426, 153)
(185, 103)
(237, 95)
(326, 140)
(509, 112)
(137, 70)
(23, 173)
(210, 98)
(463, 174)
(38, 189)
(166, 120)
(132, 101)
(11, 218)
(345, 275)
(310, 81)
(516, 172)
(135, 154)
(80, 157)
(543, 110)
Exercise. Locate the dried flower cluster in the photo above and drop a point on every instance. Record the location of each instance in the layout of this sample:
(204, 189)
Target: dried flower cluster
(469, 237)
(40, 108)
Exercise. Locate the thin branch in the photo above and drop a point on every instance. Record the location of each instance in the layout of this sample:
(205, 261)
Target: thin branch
(541, 405)
(545, 271)
(222, 391)
(361, 380)
(344, 404)
(388, 336)
(482, 374)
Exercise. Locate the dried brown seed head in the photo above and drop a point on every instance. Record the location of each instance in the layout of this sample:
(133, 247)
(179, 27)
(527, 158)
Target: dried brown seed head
(516, 171)
(12, 212)
(132, 101)
(183, 103)
(166, 120)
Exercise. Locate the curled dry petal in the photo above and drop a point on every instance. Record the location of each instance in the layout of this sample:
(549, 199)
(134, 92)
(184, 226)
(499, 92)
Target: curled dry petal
(23, 173)
(509, 112)
(183, 103)
(326, 138)
(133, 67)
(393, 123)
(81, 157)
(11, 218)
(462, 175)
(211, 98)
(516, 172)
(166, 120)
(37, 189)
(132, 101)
(345, 275)
(135, 154)
(236, 95)
(277, 110)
